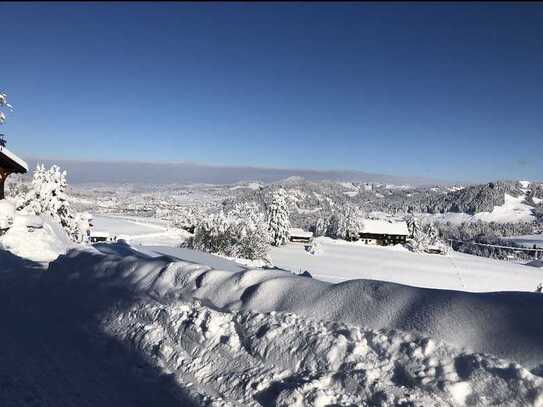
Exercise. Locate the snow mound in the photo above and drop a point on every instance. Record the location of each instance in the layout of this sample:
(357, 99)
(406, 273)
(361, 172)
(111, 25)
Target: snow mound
(536, 263)
(281, 359)
(7, 214)
(266, 338)
(506, 324)
(35, 238)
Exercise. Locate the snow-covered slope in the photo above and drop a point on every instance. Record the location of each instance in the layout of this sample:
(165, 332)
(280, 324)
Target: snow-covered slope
(513, 210)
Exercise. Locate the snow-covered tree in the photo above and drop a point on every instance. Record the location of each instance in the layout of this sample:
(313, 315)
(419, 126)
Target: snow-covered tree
(250, 231)
(425, 237)
(278, 218)
(47, 195)
(4, 103)
(314, 248)
(242, 232)
(346, 223)
(321, 226)
(187, 218)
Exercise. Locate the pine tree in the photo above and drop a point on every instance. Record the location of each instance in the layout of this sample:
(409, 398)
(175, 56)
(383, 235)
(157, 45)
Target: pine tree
(48, 196)
(241, 232)
(346, 223)
(278, 218)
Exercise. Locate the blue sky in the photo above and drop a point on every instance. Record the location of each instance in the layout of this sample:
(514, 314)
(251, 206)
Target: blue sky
(451, 91)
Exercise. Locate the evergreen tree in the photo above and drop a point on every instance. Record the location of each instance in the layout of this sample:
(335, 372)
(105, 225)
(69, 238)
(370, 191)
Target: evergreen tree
(346, 223)
(242, 232)
(278, 218)
(47, 195)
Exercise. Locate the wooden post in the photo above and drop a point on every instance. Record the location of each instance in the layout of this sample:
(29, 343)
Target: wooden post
(3, 175)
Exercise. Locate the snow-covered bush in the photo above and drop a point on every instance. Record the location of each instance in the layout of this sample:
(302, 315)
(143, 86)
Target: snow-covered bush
(346, 223)
(278, 218)
(7, 214)
(33, 238)
(425, 238)
(242, 232)
(47, 195)
(187, 218)
(321, 226)
(314, 248)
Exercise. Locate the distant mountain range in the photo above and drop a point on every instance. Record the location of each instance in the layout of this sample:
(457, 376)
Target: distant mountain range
(80, 172)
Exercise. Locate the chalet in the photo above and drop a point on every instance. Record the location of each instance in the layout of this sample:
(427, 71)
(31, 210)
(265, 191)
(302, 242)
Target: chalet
(97, 237)
(383, 232)
(300, 235)
(9, 164)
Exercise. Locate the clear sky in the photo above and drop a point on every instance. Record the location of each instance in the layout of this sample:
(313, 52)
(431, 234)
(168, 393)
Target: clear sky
(453, 91)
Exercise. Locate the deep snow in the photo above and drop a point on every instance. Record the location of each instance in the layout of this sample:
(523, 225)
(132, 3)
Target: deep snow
(121, 325)
(506, 324)
(113, 326)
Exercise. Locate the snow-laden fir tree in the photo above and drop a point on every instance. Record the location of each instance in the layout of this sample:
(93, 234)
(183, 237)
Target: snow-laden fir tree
(321, 226)
(425, 238)
(242, 232)
(187, 218)
(47, 195)
(250, 230)
(346, 223)
(278, 218)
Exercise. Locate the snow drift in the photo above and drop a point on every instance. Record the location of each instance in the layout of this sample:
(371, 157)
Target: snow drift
(35, 238)
(504, 324)
(265, 337)
(119, 327)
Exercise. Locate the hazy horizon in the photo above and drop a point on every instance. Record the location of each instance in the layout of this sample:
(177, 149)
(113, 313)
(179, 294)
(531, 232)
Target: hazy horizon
(163, 172)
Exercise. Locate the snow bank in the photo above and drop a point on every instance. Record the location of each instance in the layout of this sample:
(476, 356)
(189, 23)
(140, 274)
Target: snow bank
(281, 359)
(7, 213)
(35, 238)
(508, 325)
(260, 337)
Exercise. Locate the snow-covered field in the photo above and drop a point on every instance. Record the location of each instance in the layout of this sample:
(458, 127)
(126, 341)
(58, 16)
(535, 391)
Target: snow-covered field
(342, 261)
(144, 231)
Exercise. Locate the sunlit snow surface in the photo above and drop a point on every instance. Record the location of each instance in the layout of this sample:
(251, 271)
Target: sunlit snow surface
(513, 210)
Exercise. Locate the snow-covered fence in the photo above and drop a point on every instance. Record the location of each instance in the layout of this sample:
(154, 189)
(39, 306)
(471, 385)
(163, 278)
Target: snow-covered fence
(518, 252)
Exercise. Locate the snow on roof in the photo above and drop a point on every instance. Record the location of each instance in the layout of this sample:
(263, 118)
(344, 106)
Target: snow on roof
(297, 232)
(20, 162)
(95, 233)
(384, 227)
